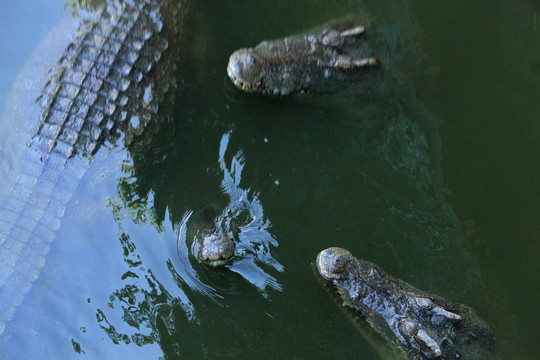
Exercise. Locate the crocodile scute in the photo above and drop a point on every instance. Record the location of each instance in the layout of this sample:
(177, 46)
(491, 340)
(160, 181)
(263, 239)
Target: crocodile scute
(111, 80)
(98, 86)
(405, 322)
(322, 60)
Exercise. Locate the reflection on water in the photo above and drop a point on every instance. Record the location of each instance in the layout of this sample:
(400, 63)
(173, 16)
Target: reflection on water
(185, 271)
(243, 220)
(254, 239)
(364, 175)
(146, 304)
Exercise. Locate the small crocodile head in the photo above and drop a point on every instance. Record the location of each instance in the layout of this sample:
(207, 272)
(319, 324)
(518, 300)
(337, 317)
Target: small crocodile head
(215, 249)
(413, 324)
(326, 59)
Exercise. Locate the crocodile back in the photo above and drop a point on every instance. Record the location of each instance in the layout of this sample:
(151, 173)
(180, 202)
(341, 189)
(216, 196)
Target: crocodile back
(101, 84)
(111, 80)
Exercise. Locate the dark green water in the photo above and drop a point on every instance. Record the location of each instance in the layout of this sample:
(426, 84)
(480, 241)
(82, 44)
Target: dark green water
(445, 198)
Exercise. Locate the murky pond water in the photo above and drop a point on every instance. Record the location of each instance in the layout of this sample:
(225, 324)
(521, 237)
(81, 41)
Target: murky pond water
(439, 187)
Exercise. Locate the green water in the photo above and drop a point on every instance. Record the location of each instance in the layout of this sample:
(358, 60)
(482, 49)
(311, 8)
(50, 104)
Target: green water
(445, 197)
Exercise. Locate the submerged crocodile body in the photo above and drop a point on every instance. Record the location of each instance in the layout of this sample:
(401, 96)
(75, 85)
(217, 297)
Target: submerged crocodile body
(110, 80)
(407, 323)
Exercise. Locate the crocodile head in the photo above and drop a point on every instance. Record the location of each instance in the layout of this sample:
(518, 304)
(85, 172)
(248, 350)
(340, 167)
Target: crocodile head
(414, 325)
(215, 249)
(323, 60)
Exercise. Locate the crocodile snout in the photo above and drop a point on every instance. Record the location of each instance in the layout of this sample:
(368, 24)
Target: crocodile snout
(216, 249)
(244, 69)
(332, 262)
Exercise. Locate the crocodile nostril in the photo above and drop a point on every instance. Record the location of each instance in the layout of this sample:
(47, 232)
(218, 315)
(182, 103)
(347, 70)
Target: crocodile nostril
(332, 262)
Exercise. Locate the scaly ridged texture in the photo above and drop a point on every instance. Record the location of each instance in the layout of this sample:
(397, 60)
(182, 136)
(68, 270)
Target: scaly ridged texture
(111, 78)
(94, 86)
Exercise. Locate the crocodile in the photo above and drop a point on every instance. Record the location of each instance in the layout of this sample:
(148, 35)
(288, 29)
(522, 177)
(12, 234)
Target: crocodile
(111, 80)
(407, 322)
(213, 236)
(322, 60)
(215, 248)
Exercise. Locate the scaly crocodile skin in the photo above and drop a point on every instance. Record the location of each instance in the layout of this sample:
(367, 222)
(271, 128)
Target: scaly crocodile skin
(111, 79)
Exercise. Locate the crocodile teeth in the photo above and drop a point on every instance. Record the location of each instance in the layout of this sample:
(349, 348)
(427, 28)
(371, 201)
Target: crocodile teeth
(447, 314)
(427, 304)
(358, 30)
(423, 338)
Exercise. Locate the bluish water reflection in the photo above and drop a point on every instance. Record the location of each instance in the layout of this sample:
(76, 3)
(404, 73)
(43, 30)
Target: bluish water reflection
(363, 174)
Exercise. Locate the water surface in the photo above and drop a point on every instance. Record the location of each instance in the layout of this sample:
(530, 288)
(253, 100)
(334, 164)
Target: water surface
(445, 198)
